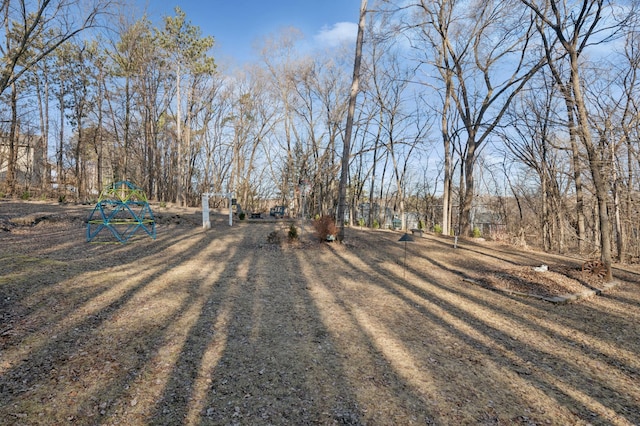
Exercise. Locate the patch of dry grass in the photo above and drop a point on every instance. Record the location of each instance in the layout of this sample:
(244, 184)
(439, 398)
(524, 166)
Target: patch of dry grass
(222, 327)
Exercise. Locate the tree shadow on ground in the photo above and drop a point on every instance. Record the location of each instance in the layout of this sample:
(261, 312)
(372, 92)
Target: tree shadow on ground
(219, 327)
(501, 335)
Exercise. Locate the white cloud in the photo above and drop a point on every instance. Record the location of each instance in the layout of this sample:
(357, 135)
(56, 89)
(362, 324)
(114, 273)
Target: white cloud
(339, 33)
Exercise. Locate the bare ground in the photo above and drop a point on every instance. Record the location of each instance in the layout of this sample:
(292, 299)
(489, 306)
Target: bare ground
(223, 327)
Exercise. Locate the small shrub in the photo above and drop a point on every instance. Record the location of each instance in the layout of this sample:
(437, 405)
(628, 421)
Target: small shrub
(242, 215)
(324, 227)
(293, 232)
(25, 195)
(437, 228)
(476, 232)
(361, 222)
(274, 238)
(163, 204)
(420, 225)
(376, 224)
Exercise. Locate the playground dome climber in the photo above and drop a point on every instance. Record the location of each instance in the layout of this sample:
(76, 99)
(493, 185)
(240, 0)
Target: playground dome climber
(122, 210)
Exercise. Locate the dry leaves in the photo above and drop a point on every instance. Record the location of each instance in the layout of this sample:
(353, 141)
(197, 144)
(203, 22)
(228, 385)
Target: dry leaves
(224, 327)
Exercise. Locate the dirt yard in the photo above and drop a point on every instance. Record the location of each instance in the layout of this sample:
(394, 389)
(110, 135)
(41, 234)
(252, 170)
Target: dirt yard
(226, 327)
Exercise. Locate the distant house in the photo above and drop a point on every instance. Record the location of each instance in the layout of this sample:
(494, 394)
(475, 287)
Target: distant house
(24, 165)
(30, 167)
(384, 215)
(488, 221)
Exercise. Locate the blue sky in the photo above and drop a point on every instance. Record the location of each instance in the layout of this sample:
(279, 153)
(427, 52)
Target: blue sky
(236, 25)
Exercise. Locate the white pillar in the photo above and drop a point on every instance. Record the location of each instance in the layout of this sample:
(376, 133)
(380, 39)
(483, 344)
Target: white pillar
(206, 222)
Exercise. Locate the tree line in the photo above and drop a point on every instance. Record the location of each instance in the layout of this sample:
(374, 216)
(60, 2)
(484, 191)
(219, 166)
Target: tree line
(525, 109)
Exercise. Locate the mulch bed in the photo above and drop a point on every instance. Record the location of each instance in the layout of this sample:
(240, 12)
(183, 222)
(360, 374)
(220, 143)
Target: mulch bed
(546, 283)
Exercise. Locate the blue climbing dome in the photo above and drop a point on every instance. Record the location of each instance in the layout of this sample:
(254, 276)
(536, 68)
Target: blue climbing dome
(120, 212)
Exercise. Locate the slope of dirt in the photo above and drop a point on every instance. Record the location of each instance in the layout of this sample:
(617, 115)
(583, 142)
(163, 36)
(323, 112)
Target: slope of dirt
(226, 326)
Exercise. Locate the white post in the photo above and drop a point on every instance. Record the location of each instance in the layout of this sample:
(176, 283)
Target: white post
(206, 221)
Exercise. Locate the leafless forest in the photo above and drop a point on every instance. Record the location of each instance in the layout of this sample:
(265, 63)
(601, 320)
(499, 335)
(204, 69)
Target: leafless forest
(515, 120)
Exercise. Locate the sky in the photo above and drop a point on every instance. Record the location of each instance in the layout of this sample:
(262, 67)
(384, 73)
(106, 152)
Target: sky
(237, 24)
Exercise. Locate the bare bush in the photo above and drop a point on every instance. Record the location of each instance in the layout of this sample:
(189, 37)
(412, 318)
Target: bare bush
(325, 227)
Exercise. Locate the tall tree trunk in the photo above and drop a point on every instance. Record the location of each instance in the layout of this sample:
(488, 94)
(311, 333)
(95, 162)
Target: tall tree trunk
(60, 150)
(629, 190)
(126, 130)
(595, 165)
(46, 181)
(346, 152)
(446, 185)
(577, 174)
(446, 190)
(382, 213)
(446, 141)
(619, 228)
(187, 147)
(150, 183)
(79, 160)
(11, 161)
(467, 199)
(14, 144)
(572, 32)
(41, 165)
(557, 207)
(620, 232)
(546, 231)
(373, 181)
(180, 160)
(98, 142)
(449, 191)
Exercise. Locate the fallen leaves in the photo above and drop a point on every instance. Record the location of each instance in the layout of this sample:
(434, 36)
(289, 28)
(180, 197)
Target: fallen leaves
(222, 327)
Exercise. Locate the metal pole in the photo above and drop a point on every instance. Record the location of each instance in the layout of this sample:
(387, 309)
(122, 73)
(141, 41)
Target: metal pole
(405, 260)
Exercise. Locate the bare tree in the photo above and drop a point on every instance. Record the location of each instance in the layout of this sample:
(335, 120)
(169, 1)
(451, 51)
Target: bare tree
(567, 30)
(81, 88)
(32, 31)
(531, 140)
(187, 51)
(401, 121)
(252, 117)
(282, 62)
(36, 29)
(129, 57)
(346, 151)
(612, 95)
(438, 35)
(630, 82)
(484, 58)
